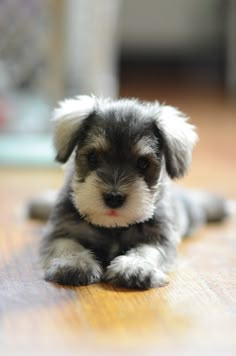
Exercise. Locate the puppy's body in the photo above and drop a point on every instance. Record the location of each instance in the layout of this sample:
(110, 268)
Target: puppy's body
(118, 217)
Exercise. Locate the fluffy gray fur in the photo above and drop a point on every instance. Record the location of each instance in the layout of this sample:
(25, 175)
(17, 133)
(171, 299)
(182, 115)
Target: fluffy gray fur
(118, 217)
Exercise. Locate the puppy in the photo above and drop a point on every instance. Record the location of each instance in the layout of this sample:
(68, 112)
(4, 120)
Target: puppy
(118, 218)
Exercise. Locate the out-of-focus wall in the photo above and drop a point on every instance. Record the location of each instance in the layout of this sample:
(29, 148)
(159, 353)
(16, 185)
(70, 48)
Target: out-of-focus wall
(180, 27)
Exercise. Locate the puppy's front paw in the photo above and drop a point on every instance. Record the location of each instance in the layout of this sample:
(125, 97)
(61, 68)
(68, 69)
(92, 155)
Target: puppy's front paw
(75, 270)
(135, 272)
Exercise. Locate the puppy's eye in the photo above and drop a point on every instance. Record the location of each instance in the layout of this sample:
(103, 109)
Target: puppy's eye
(92, 160)
(143, 163)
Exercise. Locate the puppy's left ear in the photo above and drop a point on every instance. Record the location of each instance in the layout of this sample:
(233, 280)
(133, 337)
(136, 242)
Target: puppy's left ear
(178, 138)
(68, 119)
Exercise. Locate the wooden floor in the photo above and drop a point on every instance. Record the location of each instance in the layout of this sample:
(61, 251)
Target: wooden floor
(194, 314)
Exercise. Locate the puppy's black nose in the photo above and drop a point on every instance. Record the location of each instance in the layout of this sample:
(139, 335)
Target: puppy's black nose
(114, 199)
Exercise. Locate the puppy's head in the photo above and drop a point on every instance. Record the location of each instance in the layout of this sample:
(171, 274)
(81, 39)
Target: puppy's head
(122, 151)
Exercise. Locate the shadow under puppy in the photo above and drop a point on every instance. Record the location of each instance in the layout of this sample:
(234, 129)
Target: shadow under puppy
(118, 217)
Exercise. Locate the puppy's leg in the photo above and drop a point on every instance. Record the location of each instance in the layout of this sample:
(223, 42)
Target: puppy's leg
(67, 262)
(201, 208)
(213, 207)
(142, 267)
(41, 206)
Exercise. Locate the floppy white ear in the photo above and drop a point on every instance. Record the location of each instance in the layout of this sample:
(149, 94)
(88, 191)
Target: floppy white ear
(179, 137)
(67, 119)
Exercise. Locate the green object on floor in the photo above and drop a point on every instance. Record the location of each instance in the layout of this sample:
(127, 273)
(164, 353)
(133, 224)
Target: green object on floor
(26, 149)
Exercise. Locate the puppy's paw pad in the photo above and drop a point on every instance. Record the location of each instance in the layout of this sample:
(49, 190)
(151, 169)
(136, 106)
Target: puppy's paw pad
(134, 272)
(67, 271)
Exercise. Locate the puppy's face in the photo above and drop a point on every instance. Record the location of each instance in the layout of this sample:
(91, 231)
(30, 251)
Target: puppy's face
(121, 156)
(117, 169)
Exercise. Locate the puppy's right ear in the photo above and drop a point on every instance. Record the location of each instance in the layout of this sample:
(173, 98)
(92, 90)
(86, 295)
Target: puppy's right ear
(67, 119)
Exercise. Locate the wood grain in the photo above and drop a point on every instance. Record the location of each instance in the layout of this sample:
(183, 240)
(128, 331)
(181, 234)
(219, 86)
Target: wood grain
(195, 313)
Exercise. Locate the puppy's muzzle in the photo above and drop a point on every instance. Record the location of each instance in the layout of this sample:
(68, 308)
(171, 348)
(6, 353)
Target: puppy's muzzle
(114, 199)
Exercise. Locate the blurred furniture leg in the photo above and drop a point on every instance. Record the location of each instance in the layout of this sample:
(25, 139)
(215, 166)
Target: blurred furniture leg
(54, 74)
(92, 43)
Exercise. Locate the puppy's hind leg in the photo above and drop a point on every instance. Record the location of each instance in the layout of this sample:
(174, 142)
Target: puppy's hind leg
(41, 206)
(203, 207)
(213, 206)
(67, 262)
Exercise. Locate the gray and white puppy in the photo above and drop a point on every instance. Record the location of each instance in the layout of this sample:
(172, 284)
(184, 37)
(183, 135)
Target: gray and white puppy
(117, 217)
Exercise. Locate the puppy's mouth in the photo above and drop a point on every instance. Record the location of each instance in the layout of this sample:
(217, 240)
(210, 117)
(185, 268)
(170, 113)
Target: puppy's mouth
(112, 213)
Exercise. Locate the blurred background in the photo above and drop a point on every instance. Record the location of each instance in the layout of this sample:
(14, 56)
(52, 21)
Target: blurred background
(154, 49)
(181, 52)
